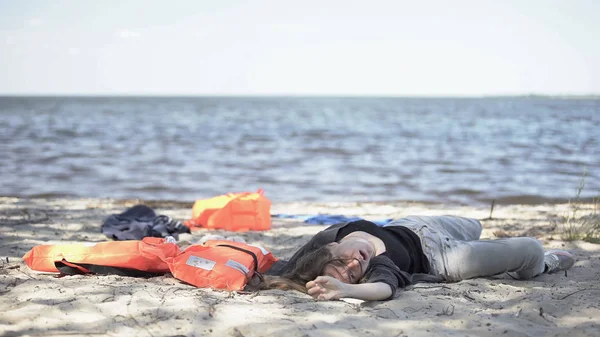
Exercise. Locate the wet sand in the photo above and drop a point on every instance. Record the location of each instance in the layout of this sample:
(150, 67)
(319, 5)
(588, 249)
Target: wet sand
(43, 305)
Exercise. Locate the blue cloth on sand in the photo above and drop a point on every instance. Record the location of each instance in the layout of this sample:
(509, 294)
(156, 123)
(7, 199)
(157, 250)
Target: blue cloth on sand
(327, 219)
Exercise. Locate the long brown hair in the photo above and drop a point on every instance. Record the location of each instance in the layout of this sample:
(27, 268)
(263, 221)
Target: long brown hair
(307, 268)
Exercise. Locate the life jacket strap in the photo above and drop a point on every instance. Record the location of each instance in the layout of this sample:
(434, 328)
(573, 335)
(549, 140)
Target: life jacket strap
(251, 253)
(68, 268)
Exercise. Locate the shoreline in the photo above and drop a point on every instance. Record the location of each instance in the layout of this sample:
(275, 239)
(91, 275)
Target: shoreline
(532, 200)
(40, 304)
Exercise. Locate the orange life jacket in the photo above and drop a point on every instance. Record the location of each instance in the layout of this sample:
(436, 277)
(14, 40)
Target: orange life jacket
(233, 212)
(144, 257)
(220, 264)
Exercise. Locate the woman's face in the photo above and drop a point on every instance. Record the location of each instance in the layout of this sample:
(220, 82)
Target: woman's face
(356, 254)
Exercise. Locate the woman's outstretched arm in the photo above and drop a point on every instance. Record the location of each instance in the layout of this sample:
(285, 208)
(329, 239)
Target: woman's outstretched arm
(325, 288)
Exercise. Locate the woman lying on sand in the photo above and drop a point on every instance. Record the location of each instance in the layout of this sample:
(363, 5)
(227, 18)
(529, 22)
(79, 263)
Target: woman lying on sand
(364, 261)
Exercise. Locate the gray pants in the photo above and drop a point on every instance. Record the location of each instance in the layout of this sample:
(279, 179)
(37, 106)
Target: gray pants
(455, 252)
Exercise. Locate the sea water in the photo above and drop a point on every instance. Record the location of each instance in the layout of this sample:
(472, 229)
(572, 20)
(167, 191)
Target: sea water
(316, 149)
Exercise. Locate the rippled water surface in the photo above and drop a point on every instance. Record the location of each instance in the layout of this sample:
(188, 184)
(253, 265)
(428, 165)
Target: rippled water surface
(301, 149)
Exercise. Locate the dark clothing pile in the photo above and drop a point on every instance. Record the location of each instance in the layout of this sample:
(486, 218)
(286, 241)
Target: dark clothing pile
(139, 222)
(403, 263)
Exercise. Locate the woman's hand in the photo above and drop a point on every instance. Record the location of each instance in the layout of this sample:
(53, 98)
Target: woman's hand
(325, 288)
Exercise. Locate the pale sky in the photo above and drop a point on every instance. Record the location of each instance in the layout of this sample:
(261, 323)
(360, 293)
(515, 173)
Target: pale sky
(326, 47)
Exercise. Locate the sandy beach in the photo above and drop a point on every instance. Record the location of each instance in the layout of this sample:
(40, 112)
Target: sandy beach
(38, 304)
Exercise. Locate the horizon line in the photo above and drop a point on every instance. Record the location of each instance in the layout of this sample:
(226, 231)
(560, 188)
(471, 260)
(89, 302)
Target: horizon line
(281, 95)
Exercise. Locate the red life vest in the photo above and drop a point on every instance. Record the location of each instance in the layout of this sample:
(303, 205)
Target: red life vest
(220, 264)
(129, 258)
